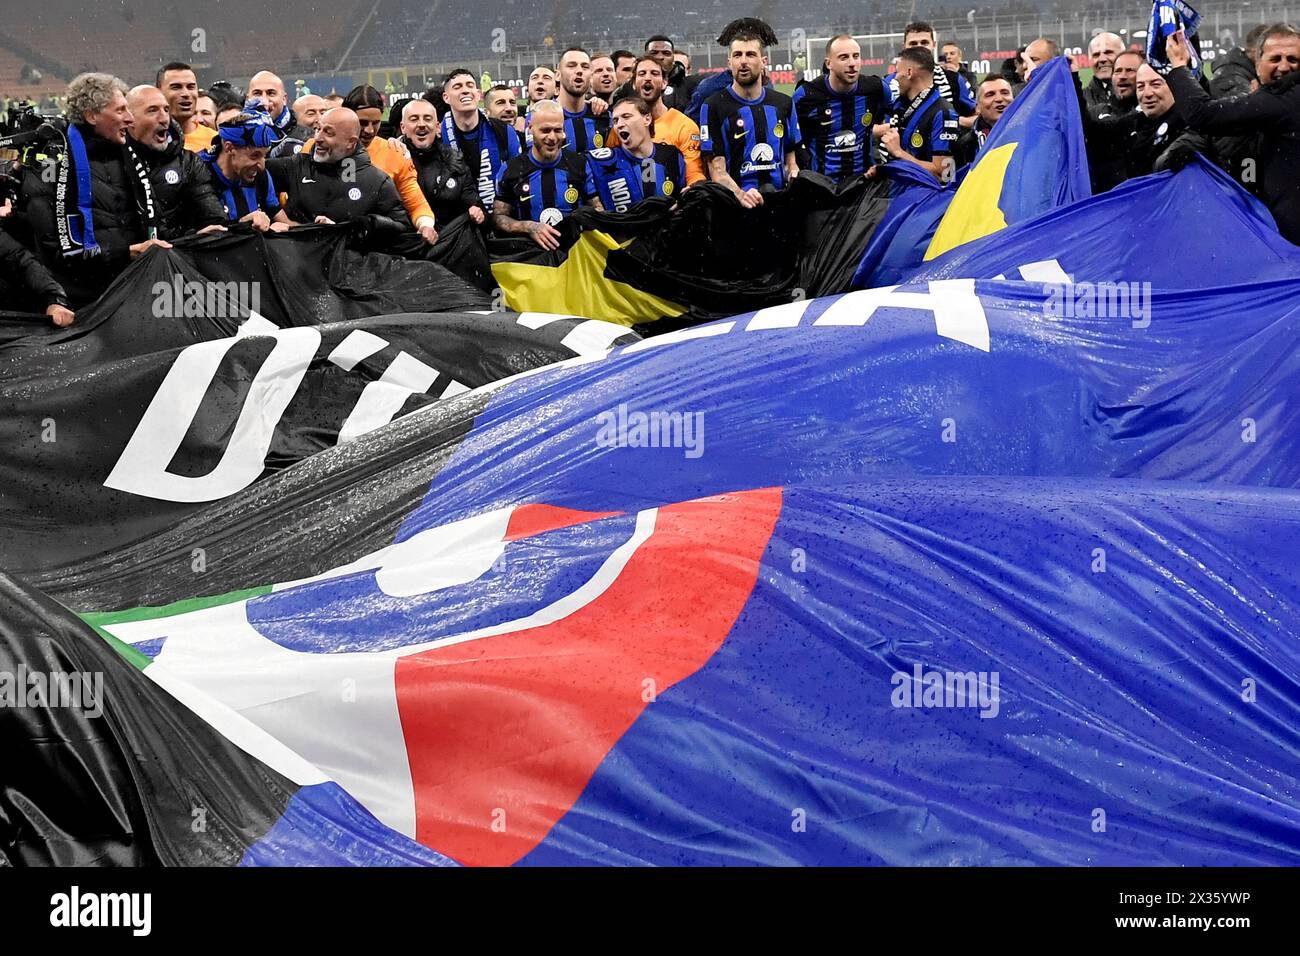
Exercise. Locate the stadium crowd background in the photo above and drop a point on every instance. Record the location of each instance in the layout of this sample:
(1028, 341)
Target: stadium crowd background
(384, 98)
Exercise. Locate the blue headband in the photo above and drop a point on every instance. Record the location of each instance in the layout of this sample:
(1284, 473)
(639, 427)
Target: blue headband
(250, 128)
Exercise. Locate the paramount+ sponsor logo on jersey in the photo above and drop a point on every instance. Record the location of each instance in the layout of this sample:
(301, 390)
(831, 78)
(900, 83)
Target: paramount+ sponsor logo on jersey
(845, 141)
(761, 159)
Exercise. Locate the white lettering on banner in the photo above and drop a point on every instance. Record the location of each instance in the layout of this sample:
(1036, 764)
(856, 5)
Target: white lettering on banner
(142, 468)
(382, 399)
(958, 313)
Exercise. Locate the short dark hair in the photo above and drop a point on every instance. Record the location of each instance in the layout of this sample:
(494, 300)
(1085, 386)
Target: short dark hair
(434, 95)
(459, 71)
(646, 59)
(994, 76)
(364, 97)
(168, 68)
(918, 26)
(660, 38)
(919, 55)
(570, 49)
(621, 55)
(502, 88)
(762, 32)
(747, 36)
(1137, 53)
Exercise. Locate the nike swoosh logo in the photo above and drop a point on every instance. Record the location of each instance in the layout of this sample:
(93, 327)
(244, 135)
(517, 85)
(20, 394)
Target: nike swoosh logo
(738, 135)
(306, 180)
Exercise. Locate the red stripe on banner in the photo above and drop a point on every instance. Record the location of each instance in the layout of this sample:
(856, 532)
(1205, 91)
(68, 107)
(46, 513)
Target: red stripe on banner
(528, 520)
(504, 733)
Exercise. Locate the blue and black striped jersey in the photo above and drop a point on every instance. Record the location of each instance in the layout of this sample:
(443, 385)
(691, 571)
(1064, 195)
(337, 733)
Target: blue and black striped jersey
(584, 132)
(752, 135)
(545, 192)
(836, 127)
(622, 180)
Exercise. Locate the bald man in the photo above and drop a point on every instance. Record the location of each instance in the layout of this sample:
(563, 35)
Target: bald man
(184, 201)
(1102, 51)
(307, 110)
(336, 182)
(268, 90)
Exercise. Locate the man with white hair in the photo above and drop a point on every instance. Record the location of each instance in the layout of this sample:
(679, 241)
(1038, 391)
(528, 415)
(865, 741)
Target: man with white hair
(1102, 51)
(98, 212)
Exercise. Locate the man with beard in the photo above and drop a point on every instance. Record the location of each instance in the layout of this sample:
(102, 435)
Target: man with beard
(87, 233)
(586, 125)
(602, 77)
(837, 110)
(992, 100)
(182, 192)
(237, 165)
(267, 90)
(1269, 118)
(336, 182)
(1123, 84)
(443, 175)
(638, 167)
(660, 49)
(487, 144)
(537, 190)
(502, 104)
(624, 66)
(671, 126)
(748, 132)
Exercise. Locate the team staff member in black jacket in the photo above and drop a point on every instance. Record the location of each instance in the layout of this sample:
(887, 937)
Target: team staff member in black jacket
(337, 183)
(1272, 113)
(25, 284)
(992, 100)
(181, 187)
(443, 174)
(104, 217)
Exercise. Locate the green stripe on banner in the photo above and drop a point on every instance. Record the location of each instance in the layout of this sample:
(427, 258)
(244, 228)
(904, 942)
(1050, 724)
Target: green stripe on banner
(101, 619)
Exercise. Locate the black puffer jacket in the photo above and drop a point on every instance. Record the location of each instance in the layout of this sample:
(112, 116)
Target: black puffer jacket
(115, 212)
(445, 181)
(27, 286)
(352, 190)
(182, 188)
